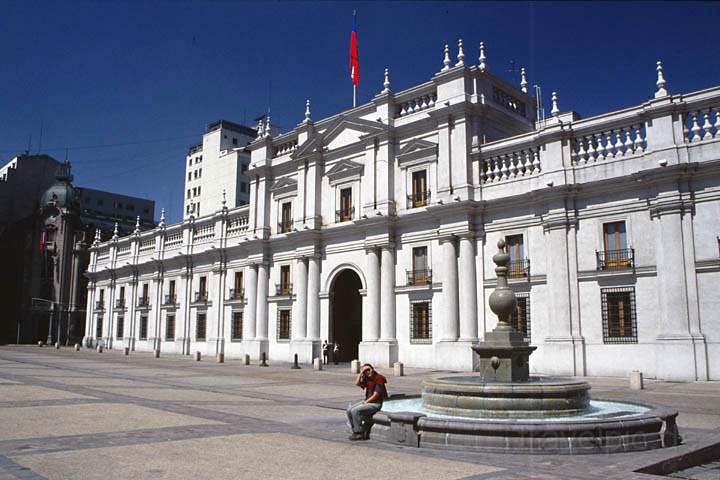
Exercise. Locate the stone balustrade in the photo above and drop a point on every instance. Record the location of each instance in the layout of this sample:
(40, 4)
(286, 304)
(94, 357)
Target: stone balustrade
(285, 147)
(416, 102)
(702, 125)
(609, 144)
(519, 163)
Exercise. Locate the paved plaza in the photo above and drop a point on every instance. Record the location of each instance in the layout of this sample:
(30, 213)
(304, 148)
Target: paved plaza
(87, 415)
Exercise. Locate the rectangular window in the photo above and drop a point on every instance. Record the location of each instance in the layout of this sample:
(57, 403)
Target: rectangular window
(200, 326)
(420, 195)
(120, 327)
(420, 322)
(237, 325)
(238, 287)
(202, 290)
(520, 317)
(285, 284)
(188, 193)
(189, 162)
(145, 294)
(283, 327)
(616, 254)
(420, 271)
(518, 266)
(199, 190)
(99, 327)
(234, 141)
(243, 187)
(143, 327)
(171, 290)
(346, 205)
(189, 176)
(285, 217)
(618, 311)
(170, 327)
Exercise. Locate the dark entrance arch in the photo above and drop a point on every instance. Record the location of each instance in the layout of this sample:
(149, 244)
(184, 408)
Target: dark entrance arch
(346, 314)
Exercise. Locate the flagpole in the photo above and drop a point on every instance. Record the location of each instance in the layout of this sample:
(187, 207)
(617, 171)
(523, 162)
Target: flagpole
(354, 95)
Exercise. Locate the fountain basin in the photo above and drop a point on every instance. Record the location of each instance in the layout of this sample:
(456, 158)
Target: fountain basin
(604, 427)
(471, 396)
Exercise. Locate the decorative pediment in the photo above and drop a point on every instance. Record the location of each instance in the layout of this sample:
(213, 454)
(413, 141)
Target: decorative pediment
(417, 151)
(284, 187)
(311, 145)
(346, 131)
(344, 170)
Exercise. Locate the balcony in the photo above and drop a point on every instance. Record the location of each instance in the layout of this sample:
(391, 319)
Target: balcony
(283, 289)
(201, 297)
(419, 277)
(143, 302)
(120, 303)
(237, 294)
(519, 268)
(344, 215)
(418, 199)
(285, 226)
(615, 259)
(100, 305)
(170, 299)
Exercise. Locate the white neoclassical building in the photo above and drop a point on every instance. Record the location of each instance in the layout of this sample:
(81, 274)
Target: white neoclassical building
(375, 229)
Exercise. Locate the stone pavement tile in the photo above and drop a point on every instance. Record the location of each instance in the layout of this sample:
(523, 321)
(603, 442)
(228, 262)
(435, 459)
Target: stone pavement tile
(5, 381)
(292, 414)
(17, 393)
(266, 456)
(222, 381)
(96, 381)
(62, 420)
(174, 394)
(311, 391)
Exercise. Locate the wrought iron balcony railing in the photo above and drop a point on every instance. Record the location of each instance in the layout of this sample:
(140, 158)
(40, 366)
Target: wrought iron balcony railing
(119, 303)
(419, 277)
(143, 302)
(285, 226)
(283, 289)
(201, 297)
(615, 259)
(170, 299)
(418, 199)
(237, 294)
(344, 215)
(519, 268)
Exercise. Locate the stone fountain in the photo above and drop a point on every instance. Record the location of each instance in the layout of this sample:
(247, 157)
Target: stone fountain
(504, 409)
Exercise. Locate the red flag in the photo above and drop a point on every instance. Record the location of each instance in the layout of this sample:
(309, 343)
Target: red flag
(354, 60)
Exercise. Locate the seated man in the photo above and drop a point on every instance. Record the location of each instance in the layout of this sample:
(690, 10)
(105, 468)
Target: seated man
(360, 414)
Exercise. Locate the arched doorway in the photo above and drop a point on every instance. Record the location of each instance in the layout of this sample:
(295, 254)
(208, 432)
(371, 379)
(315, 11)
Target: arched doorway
(346, 314)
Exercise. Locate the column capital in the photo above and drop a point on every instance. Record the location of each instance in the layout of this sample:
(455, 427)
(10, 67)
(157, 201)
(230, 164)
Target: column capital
(447, 238)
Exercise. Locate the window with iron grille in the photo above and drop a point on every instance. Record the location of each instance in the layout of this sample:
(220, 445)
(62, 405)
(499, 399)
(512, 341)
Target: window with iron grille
(200, 326)
(619, 318)
(237, 325)
(283, 325)
(170, 327)
(99, 327)
(420, 322)
(120, 327)
(520, 317)
(143, 327)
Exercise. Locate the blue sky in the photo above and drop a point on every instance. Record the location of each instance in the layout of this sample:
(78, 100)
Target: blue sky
(128, 86)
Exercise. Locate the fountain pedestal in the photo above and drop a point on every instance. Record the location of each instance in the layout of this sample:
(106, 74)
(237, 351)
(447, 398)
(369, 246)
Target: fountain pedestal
(504, 356)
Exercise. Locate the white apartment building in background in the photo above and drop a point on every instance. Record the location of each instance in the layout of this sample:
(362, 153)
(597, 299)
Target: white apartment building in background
(215, 169)
(375, 229)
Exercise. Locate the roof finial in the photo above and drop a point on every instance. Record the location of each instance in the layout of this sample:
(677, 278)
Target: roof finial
(162, 218)
(661, 91)
(115, 231)
(386, 83)
(482, 58)
(523, 80)
(260, 128)
(460, 55)
(446, 60)
(137, 226)
(267, 125)
(555, 110)
(307, 111)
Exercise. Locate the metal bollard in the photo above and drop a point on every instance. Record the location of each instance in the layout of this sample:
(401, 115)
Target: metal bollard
(636, 380)
(126, 351)
(220, 357)
(295, 365)
(317, 363)
(99, 348)
(40, 343)
(57, 345)
(246, 359)
(77, 347)
(156, 353)
(398, 369)
(355, 366)
(264, 360)
(198, 356)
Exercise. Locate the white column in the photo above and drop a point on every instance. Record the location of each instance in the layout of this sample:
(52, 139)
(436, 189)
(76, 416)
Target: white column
(301, 292)
(450, 291)
(220, 309)
(89, 314)
(371, 329)
(387, 294)
(262, 304)
(133, 312)
(313, 299)
(468, 290)
(251, 308)
(673, 319)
